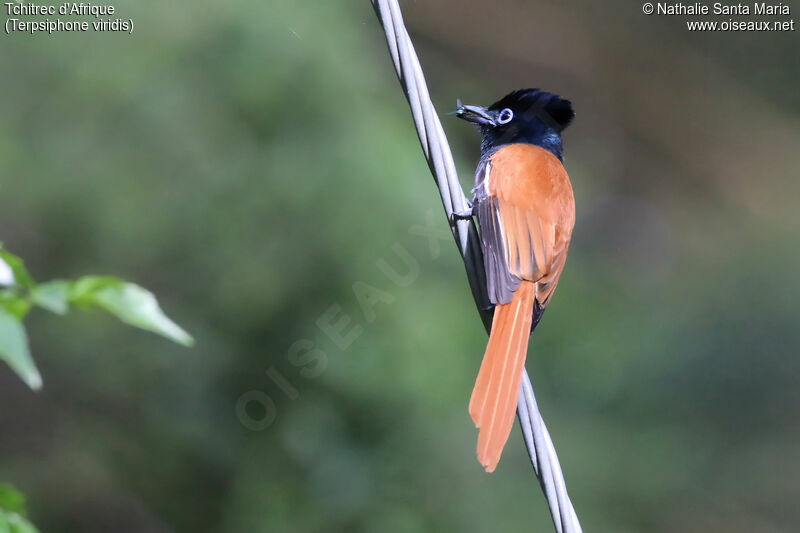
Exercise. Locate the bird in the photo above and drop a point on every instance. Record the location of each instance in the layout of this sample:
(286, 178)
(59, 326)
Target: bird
(525, 208)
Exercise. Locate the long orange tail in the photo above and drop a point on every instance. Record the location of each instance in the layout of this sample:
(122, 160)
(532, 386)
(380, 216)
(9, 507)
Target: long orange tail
(494, 398)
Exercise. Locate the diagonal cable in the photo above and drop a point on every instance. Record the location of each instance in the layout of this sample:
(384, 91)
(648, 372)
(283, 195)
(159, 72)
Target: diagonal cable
(440, 160)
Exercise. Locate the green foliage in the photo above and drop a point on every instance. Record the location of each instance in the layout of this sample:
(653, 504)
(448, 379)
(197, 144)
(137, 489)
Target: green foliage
(14, 349)
(19, 292)
(12, 512)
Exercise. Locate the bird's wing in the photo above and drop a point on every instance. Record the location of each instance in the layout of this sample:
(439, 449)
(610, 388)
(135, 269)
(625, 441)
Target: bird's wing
(526, 212)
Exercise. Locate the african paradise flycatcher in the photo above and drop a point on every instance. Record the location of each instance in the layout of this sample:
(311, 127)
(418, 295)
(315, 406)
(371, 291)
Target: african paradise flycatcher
(526, 211)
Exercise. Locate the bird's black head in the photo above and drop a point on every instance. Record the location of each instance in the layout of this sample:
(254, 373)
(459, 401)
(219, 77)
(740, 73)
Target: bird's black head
(528, 116)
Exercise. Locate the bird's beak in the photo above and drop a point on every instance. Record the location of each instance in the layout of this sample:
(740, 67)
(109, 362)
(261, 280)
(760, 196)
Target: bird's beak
(476, 114)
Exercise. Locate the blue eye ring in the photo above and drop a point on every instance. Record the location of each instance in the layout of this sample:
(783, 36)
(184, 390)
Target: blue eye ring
(505, 116)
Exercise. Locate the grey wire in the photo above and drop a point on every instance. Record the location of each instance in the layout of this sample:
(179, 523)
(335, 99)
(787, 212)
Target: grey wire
(440, 160)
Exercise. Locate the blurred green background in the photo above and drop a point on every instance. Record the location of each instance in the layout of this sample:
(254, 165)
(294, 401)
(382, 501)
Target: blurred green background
(250, 162)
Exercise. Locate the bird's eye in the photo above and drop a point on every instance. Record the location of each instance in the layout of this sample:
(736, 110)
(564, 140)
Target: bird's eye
(506, 115)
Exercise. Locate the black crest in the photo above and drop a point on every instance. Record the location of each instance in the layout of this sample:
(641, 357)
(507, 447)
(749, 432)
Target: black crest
(554, 111)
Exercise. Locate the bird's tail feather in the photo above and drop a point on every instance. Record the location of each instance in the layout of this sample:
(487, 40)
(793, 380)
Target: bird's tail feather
(494, 398)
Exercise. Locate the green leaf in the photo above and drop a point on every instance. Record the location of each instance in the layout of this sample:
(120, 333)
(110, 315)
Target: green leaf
(53, 296)
(14, 350)
(11, 499)
(83, 291)
(17, 266)
(14, 304)
(130, 303)
(14, 523)
(12, 511)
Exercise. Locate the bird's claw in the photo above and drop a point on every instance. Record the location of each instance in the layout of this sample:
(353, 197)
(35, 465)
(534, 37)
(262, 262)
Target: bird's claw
(466, 214)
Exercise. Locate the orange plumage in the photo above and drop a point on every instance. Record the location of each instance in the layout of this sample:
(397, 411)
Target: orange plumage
(531, 197)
